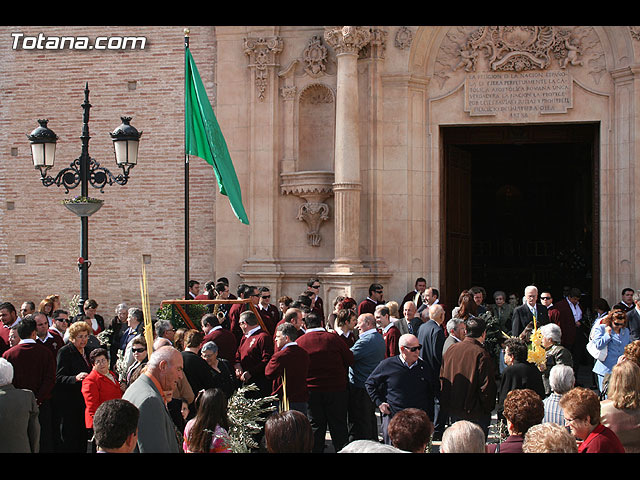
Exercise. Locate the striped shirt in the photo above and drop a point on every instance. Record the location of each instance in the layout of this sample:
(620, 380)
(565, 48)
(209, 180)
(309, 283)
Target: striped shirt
(552, 411)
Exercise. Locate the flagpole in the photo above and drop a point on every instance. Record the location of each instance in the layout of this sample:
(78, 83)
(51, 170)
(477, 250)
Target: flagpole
(186, 199)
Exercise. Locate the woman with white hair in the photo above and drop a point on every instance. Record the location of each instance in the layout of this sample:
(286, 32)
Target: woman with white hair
(556, 353)
(561, 380)
(463, 437)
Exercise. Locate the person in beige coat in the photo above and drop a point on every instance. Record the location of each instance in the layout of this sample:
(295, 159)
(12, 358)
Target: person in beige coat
(621, 410)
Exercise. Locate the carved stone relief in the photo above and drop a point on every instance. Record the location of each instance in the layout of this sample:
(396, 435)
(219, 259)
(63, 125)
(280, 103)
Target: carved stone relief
(314, 57)
(262, 53)
(404, 37)
(518, 49)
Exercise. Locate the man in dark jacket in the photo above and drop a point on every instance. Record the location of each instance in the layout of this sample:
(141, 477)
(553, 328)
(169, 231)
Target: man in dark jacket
(468, 386)
(399, 382)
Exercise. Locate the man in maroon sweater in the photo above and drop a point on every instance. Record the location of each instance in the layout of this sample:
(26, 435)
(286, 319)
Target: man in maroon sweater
(223, 338)
(8, 318)
(268, 311)
(244, 292)
(34, 369)
(390, 332)
(254, 352)
(45, 336)
(330, 359)
(288, 368)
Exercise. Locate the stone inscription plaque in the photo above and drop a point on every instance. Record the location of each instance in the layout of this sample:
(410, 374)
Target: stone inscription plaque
(518, 95)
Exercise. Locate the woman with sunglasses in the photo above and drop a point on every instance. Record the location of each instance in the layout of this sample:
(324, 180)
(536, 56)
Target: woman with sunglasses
(613, 334)
(140, 359)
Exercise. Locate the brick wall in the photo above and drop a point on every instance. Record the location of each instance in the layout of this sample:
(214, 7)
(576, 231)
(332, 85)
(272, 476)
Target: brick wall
(145, 217)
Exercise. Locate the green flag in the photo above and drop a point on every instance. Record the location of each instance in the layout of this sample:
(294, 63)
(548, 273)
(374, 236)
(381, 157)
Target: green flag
(204, 139)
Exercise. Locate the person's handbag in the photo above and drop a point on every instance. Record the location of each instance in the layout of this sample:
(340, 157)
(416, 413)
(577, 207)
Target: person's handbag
(595, 353)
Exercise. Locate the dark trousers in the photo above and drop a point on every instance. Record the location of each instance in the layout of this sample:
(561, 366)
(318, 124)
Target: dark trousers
(46, 427)
(361, 415)
(328, 409)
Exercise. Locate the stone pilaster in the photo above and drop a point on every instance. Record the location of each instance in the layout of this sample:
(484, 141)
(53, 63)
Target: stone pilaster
(347, 42)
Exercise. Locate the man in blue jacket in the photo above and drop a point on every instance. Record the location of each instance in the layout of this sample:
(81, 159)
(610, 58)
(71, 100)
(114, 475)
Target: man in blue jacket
(368, 352)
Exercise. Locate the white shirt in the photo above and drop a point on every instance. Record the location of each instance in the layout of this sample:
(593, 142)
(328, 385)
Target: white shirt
(577, 312)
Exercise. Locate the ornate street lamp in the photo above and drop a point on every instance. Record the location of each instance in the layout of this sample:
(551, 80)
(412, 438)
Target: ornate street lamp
(84, 171)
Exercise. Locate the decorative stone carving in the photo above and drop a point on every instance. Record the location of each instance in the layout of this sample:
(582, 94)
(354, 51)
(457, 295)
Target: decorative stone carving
(347, 39)
(635, 32)
(467, 49)
(404, 37)
(313, 213)
(519, 48)
(262, 54)
(315, 57)
(314, 188)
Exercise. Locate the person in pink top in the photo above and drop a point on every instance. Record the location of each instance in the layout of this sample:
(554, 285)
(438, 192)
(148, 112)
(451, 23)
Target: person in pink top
(207, 432)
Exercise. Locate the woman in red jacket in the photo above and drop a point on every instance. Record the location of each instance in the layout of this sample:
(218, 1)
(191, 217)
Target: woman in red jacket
(582, 415)
(99, 386)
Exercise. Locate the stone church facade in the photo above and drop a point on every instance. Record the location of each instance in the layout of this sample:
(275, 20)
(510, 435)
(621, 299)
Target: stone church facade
(350, 143)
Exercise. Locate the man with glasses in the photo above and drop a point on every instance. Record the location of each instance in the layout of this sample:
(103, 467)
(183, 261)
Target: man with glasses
(524, 314)
(369, 304)
(60, 322)
(268, 311)
(547, 300)
(400, 382)
(313, 286)
(244, 292)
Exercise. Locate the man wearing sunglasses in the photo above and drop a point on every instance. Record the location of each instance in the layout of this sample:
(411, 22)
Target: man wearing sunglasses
(313, 286)
(268, 311)
(369, 304)
(400, 382)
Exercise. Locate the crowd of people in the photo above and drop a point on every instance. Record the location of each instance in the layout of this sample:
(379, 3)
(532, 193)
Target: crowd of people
(370, 375)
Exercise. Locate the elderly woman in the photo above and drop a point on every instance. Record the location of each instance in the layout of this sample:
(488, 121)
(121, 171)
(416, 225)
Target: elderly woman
(221, 370)
(140, 359)
(73, 366)
(549, 438)
(556, 353)
(581, 408)
(612, 334)
(621, 410)
(523, 409)
(99, 386)
(561, 380)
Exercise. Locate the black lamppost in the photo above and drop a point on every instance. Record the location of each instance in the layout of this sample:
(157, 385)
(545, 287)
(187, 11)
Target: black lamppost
(84, 171)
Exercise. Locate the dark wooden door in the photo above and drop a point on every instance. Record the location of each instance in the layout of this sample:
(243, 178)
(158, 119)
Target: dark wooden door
(457, 216)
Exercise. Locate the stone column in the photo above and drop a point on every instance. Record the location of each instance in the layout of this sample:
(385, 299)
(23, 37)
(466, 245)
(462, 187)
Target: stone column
(347, 41)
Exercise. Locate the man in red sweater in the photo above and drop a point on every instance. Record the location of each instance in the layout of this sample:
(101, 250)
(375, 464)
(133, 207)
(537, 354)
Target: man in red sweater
(330, 359)
(223, 338)
(254, 352)
(34, 369)
(389, 330)
(288, 368)
(45, 336)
